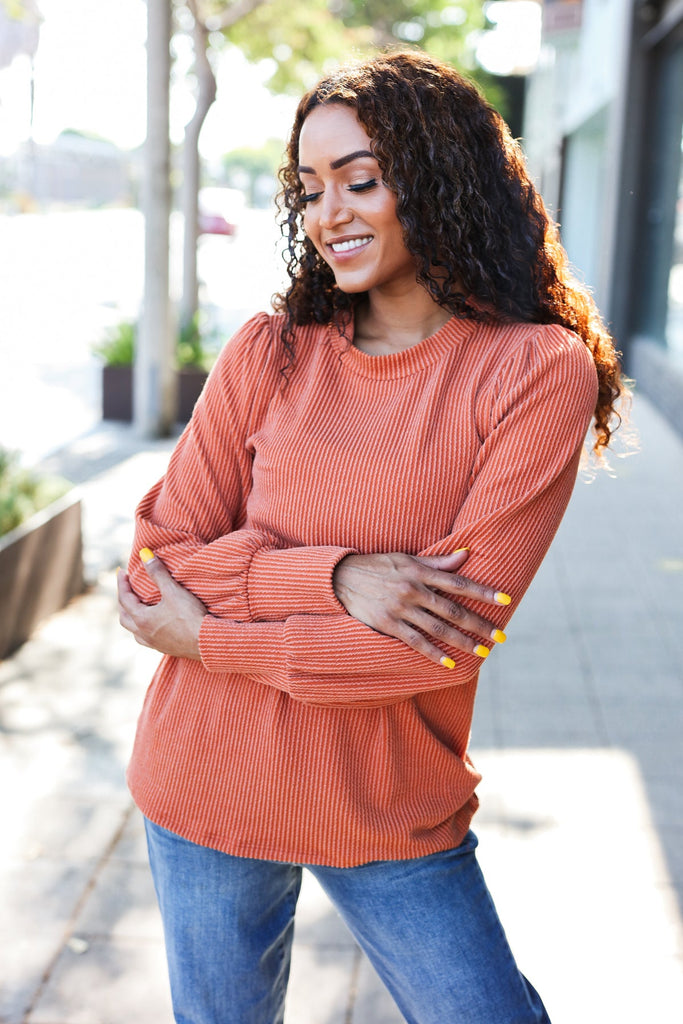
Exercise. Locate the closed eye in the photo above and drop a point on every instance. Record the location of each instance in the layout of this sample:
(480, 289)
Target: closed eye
(363, 186)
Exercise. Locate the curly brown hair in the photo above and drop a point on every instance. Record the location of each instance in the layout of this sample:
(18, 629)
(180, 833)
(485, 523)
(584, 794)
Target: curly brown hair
(470, 214)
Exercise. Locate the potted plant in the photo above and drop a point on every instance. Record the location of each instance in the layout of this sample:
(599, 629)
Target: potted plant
(118, 352)
(194, 360)
(41, 549)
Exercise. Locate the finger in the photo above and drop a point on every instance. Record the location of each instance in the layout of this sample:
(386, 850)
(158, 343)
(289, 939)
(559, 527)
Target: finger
(412, 638)
(445, 563)
(460, 616)
(155, 568)
(123, 583)
(129, 602)
(447, 634)
(452, 583)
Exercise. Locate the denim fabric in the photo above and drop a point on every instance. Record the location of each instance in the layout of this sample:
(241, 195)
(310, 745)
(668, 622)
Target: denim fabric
(428, 925)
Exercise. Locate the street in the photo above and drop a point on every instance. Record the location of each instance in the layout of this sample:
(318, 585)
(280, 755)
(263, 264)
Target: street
(67, 276)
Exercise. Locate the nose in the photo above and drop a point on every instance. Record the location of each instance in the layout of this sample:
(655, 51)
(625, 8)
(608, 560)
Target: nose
(334, 209)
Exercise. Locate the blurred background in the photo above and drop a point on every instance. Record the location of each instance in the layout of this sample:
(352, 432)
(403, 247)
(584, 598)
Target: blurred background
(593, 87)
(139, 148)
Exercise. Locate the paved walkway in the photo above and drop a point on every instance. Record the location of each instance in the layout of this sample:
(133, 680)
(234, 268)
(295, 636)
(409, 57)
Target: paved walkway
(578, 733)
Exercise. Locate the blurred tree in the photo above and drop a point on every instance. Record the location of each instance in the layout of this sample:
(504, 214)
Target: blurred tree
(301, 40)
(252, 165)
(298, 37)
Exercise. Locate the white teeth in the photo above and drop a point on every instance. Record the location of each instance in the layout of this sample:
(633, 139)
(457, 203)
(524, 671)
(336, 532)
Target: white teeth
(352, 243)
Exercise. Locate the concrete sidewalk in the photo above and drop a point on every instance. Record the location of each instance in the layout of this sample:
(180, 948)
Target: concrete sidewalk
(578, 733)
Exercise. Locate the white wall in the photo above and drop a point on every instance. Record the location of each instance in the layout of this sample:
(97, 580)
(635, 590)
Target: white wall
(574, 96)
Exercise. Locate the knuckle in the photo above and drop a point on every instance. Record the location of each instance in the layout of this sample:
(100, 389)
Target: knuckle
(405, 590)
(440, 629)
(456, 613)
(384, 621)
(413, 638)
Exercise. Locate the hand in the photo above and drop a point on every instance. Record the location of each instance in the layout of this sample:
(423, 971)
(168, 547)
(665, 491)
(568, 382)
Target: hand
(399, 595)
(171, 626)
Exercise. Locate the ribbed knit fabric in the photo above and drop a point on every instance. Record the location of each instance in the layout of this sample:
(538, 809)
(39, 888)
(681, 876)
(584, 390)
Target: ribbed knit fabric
(304, 735)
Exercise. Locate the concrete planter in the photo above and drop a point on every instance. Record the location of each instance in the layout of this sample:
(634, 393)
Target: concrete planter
(191, 380)
(117, 392)
(41, 569)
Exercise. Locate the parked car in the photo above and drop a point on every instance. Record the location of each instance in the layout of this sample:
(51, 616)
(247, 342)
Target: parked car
(220, 210)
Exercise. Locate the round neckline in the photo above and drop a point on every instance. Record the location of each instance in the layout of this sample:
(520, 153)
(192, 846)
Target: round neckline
(397, 364)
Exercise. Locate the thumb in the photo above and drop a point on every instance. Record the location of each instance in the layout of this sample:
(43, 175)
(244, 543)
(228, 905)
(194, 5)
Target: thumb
(446, 563)
(155, 568)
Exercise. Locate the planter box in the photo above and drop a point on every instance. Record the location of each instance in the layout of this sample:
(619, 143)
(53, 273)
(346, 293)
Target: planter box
(191, 380)
(117, 393)
(41, 569)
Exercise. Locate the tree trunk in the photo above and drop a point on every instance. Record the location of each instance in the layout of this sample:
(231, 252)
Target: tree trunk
(206, 94)
(154, 378)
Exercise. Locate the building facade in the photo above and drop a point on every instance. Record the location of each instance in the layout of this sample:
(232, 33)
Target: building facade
(603, 133)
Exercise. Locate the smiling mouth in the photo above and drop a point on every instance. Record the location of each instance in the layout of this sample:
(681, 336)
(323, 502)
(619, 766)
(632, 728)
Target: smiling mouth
(350, 244)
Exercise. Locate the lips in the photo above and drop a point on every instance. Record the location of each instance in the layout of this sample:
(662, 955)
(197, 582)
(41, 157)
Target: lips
(344, 245)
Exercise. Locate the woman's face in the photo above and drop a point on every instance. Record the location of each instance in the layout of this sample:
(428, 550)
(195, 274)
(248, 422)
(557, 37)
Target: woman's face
(349, 213)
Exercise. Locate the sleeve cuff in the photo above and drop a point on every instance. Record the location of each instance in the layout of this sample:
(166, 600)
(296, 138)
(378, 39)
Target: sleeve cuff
(293, 581)
(242, 647)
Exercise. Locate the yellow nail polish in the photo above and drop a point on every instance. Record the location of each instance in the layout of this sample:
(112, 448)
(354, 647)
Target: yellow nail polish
(501, 598)
(447, 662)
(458, 550)
(146, 555)
(481, 651)
(499, 636)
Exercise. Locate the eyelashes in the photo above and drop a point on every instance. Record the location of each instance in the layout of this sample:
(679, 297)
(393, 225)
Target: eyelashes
(363, 186)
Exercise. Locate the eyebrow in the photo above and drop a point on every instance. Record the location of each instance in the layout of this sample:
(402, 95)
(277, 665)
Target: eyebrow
(342, 161)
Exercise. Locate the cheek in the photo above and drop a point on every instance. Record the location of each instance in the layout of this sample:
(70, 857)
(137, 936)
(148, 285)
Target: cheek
(308, 223)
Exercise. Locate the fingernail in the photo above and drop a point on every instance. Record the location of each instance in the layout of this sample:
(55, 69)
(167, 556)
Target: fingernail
(447, 662)
(146, 555)
(501, 598)
(481, 651)
(499, 636)
(458, 550)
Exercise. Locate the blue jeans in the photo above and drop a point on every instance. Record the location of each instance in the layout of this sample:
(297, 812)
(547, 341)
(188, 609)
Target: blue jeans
(428, 926)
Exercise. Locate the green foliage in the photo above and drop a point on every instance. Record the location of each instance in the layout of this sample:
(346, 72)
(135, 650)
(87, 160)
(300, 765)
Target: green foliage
(253, 164)
(300, 39)
(118, 346)
(195, 345)
(264, 160)
(193, 339)
(23, 492)
(304, 40)
(439, 26)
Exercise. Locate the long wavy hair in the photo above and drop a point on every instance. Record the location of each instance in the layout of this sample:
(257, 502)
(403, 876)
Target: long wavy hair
(471, 216)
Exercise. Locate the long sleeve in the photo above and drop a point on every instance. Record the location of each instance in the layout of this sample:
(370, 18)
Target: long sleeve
(193, 518)
(303, 735)
(536, 412)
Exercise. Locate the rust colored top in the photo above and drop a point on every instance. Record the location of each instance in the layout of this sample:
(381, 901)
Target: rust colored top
(304, 735)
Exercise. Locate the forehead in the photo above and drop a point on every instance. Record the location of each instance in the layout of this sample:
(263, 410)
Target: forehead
(330, 132)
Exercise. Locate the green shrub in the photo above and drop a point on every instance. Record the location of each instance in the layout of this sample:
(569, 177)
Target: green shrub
(23, 492)
(191, 348)
(118, 346)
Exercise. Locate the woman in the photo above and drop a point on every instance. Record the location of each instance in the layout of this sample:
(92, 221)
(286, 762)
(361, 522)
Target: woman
(418, 403)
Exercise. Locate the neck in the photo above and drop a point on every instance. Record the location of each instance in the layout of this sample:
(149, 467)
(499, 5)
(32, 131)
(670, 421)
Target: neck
(392, 323)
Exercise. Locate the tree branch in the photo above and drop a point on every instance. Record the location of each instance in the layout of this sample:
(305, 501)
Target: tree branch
(233, 14)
